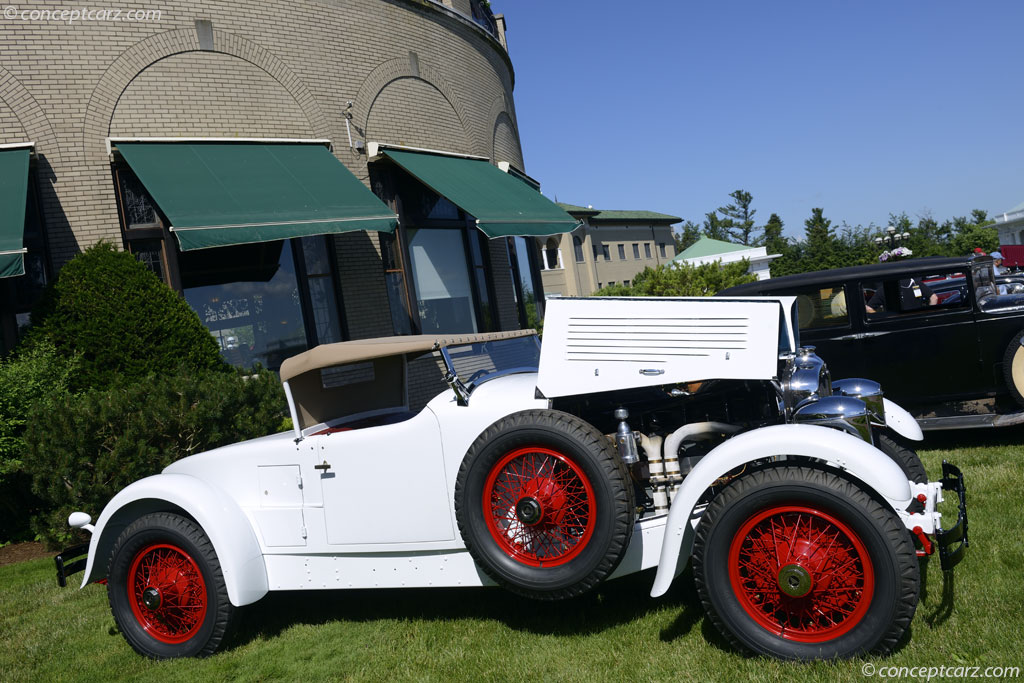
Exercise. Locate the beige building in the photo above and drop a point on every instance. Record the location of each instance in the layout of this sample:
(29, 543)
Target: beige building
(189, 134)
(609, 247)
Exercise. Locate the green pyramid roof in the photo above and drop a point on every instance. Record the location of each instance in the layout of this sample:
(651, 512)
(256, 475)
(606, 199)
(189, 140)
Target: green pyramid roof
(706, 246)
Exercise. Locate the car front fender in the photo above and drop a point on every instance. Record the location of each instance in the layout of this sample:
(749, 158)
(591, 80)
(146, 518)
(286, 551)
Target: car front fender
(223, 522)
(901, 422)
(837, 449)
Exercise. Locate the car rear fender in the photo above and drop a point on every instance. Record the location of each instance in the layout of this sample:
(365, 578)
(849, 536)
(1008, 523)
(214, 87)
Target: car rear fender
(902, 422)
(836, 449)
(223, 522)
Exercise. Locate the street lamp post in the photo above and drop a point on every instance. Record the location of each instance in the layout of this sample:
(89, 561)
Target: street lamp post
(892, 238)
(891, 242)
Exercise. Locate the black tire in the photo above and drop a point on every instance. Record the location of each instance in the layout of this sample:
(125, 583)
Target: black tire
(869, 566)
(905, 457)
(1013, 368)
(544, 504)
(166, 588)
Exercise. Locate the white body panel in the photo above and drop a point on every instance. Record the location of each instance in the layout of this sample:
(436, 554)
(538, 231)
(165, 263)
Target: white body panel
(604, 344)
(838, 449)
(386, 503)
(406, 499)
(227, 528)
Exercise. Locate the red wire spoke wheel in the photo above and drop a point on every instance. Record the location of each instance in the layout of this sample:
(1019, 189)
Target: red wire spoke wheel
(166, 588)
(797, 561)
(544, 504)
(801, 573)
(167, 593)
(539, 506)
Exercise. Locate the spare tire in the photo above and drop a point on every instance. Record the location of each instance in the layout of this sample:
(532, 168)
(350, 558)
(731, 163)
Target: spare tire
(544, 504)
(1013, 367)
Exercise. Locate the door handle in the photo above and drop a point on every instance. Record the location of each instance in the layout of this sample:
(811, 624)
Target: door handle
(651, 372)
(860, 335)
(324, 466)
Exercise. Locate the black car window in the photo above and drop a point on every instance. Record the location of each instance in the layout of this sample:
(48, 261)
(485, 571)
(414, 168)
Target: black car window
(821, 306)
(914, 293)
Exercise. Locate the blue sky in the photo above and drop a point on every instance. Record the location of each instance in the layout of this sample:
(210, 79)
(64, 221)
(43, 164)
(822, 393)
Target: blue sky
(862, 108)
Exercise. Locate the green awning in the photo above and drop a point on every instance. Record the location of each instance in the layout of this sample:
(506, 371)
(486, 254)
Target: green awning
(13, 197)
(218, 194)
(502, 204)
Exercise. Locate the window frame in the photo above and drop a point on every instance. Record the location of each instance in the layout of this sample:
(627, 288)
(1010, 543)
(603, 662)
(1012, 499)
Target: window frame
(389, 179)
(171, 266)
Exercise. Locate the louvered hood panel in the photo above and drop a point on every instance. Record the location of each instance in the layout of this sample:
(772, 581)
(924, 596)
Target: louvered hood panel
(603, 344)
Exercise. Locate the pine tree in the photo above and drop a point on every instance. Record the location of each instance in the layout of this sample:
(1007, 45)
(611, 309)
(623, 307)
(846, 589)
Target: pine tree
(739, 217)
(715, 227)
(687, 236)
(774, 242)
(820, 251)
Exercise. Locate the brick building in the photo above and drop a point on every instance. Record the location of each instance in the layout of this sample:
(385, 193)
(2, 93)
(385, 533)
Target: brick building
(608, 248)
(256, 155)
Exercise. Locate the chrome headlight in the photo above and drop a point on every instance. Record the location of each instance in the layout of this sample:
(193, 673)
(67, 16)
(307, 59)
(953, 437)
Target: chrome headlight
(804, 378)
(866, 390)
(839, 412)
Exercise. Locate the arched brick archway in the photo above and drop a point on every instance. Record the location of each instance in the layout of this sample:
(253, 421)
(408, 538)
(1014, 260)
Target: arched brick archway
(138, 57)
(387, 72)
(29, 114)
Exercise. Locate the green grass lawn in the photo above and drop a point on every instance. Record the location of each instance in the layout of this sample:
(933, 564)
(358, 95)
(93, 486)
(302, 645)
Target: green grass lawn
(974, 617)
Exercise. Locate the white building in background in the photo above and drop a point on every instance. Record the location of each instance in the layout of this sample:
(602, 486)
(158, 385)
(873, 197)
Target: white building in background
(707, 250)
(1011, 225)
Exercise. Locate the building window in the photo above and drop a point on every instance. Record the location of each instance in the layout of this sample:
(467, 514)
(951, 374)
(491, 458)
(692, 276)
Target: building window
(661, 249)
(444, 292)
(391, 255)
(622, 252)
(481, 265)
(19, 294)
(647, 250)
(552, 255)
(248, 297)
(606, 252)
(597, 252)
(577, 247)
(526, 282)
(625, 283)
(262, 302)
(436, 264)
(323, 301)
(636, 251)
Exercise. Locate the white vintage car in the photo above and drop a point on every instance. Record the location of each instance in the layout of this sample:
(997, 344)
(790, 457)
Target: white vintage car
(642, 433)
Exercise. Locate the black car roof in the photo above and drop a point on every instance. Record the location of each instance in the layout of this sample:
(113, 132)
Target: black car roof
(915, 265)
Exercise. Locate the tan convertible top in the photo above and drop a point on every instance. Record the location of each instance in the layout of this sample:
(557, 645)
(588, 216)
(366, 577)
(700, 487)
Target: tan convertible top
(328, 355)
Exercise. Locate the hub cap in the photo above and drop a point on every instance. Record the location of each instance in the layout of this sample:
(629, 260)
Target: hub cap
(801, 573)
(167, 593)
(538, 506)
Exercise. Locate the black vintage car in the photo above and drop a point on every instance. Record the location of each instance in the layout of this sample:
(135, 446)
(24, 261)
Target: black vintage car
(942, 335)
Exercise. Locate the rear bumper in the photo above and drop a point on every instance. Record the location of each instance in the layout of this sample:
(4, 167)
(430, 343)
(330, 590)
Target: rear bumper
(68, 565)
(952, 542)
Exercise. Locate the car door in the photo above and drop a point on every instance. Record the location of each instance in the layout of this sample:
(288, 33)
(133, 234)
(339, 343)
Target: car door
(385, 484)
(920, 352)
